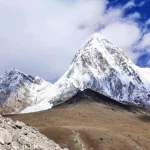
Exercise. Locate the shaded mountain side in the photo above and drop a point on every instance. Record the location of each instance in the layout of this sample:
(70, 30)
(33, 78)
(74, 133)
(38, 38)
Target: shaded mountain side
(91, 121)
(90, 95)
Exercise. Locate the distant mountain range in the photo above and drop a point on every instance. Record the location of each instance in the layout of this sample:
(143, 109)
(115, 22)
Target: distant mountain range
(99, 65)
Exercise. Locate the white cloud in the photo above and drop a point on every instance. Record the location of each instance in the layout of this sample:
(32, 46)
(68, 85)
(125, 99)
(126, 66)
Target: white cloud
(148, 22)
(142, 3)
(125, 35)
(121, 34)
(130, 4)
(133, 3)
(134, 16)
(145, 42)
(41, 37)
(148, 63)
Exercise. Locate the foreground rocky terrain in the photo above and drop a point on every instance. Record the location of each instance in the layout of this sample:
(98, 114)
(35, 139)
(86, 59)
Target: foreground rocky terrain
(18, 136)
(90, 121)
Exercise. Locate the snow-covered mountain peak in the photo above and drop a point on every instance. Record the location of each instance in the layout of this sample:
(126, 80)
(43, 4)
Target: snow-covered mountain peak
(12, 70)
(102, 47)
(11, 73)
(19, 90)
(99, 57)
(99, 66)
(103, 67)
(14, 76)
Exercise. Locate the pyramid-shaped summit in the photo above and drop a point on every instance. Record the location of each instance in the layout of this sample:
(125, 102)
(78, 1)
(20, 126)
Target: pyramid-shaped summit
(102, 67)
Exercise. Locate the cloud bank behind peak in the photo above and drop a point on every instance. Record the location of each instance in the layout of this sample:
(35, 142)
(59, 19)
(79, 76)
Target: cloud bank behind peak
(41, 37)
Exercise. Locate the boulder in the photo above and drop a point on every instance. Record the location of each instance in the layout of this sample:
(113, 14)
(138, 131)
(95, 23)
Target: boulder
(5, 136)
(19, 124)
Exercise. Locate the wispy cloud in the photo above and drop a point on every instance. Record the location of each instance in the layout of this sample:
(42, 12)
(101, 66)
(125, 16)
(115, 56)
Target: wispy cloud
(142, 3)
(129, 4)
(148, 22)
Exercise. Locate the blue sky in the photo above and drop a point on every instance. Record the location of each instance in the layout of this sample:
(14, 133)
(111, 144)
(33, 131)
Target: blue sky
(144, 11)
(41, 37)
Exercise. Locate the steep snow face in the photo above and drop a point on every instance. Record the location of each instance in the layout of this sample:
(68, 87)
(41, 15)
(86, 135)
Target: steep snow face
(18, 90)
(104, 68)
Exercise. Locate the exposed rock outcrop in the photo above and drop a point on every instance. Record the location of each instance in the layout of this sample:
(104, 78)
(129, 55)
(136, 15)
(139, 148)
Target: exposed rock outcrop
(18, 91)
(18, 136)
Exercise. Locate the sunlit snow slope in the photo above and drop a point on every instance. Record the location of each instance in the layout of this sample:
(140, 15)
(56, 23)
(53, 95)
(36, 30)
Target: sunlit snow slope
(104, 68)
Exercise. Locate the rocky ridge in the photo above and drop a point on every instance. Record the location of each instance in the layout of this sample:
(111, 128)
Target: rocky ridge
(18, 91)
(18, 136)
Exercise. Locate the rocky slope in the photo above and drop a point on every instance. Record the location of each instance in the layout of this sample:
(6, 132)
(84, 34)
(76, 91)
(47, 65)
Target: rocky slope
(18, 91)
(18, 136)
(104, 68)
